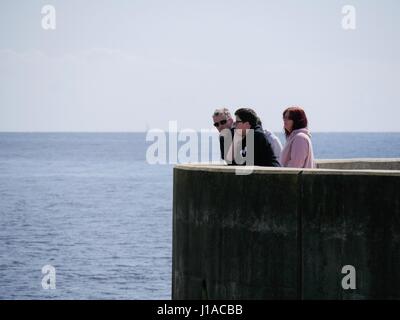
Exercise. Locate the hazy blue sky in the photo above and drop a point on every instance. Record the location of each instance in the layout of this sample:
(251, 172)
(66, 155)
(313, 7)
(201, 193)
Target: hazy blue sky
(121, 65)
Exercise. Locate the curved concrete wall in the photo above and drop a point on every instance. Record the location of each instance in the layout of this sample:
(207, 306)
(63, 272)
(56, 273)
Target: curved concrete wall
(285, 233)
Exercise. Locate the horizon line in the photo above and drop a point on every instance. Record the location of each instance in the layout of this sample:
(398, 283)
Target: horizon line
(145, 131)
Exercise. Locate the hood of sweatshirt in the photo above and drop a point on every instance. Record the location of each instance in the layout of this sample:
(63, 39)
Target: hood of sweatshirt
(297, 131)
(258, 128)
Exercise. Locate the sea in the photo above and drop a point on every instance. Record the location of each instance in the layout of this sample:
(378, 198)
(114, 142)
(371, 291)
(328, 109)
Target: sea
(91, 213)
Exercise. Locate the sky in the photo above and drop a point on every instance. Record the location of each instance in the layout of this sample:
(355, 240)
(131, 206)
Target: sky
(136, 65)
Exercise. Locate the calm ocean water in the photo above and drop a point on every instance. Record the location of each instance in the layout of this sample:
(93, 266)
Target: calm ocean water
(91, 206)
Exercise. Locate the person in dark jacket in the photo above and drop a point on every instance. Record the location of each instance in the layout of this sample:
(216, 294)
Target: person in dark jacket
(224, 123)
(247, 119)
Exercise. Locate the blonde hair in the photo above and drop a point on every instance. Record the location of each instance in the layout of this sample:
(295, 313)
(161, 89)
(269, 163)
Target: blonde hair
(224, 111)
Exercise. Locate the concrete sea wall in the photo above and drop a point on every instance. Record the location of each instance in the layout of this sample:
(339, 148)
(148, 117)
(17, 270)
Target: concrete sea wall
(286, 233)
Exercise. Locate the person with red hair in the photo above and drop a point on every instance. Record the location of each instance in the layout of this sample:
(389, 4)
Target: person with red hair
(298, 150)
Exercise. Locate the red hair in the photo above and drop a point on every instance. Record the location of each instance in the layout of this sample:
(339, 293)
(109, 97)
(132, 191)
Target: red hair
(298, 116)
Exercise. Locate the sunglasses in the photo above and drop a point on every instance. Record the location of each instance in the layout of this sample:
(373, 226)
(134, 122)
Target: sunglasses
(222, 122)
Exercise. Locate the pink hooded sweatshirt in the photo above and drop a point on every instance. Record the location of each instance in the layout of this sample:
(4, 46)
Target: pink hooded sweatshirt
(298, 150)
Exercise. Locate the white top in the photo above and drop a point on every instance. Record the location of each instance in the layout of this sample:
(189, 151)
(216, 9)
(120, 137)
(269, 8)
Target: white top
(275, 143)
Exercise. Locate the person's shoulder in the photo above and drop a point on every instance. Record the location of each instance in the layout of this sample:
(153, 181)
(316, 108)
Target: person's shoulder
(301, 133)
(259, 135)
(272, 136)
(301, 137)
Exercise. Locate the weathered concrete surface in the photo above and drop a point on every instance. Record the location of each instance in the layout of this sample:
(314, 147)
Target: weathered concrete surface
(234, 237)
(284, 233)
(351, 219)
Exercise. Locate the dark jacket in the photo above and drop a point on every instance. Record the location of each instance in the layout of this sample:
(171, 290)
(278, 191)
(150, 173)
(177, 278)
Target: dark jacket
(222, 144)
(263, 154)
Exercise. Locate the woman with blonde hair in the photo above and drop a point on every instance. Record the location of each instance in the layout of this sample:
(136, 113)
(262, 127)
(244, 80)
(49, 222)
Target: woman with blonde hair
(298, 150)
